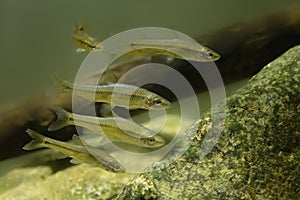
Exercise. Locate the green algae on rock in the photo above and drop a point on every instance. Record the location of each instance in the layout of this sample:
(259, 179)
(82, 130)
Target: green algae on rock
(257, 155)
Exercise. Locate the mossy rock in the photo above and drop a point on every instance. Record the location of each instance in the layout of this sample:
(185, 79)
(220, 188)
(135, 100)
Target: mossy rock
(257, 155)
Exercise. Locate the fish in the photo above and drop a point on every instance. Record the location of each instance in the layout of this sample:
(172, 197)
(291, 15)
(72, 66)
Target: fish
(85, 42)
(115, 128)
(116, 94)
(178, 49)
(77, 150)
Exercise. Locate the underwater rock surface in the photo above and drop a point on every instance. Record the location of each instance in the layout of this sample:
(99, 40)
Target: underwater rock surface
(257, 155)
(78, 182)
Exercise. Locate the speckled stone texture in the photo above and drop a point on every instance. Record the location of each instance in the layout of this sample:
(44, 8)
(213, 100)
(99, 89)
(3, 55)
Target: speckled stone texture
(73, 183)
(257, 155)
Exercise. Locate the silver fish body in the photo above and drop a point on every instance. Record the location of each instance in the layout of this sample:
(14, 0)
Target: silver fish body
(79, 153)
(179, 49)
(117, 94)
(115, 129)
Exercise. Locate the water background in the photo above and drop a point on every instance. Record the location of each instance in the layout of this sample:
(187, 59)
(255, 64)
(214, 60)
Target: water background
(35, 35)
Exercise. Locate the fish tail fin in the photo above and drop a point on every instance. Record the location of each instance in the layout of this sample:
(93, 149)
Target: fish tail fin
(63, 119)
(37, 142)
(59, 86)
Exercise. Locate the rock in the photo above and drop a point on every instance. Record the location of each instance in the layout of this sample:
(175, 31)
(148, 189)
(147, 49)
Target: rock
(257, 155)
(78, 182)
(20, 176)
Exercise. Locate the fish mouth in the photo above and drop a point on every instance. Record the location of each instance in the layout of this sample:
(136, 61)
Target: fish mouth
(160, 141)
(115, 167)
(166, 104)
(212, 55)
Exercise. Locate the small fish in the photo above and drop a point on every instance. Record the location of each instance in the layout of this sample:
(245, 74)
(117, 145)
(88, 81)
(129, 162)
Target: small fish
(179, 49)
(115, 129)
(124, 95)
(79, 152)
(84, 41)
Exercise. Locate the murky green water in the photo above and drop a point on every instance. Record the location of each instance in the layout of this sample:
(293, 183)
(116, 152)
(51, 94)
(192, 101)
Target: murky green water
(35, 36)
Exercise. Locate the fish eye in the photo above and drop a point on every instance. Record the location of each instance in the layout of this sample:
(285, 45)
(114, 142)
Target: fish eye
(151, 140)
(157, 101)
(211, 54)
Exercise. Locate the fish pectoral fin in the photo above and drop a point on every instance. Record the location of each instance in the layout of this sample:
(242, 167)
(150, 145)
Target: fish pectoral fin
(59, 155)
(74, 161)
(80, 50)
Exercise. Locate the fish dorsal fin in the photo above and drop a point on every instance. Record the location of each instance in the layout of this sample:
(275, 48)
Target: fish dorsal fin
(59, 86)
(74, 161)
(79, 27)
(76, 140)
(108, 77)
